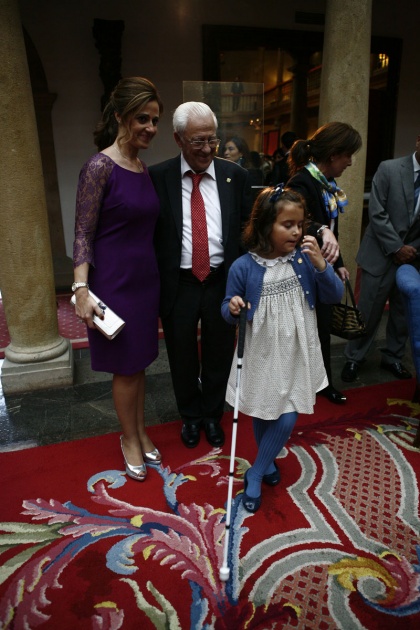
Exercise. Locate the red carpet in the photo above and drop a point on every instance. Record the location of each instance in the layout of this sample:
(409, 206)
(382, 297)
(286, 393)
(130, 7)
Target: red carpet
(335, 545)
(69, 326)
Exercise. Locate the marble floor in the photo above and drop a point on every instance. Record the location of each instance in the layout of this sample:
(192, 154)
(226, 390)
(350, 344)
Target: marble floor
(86, 409)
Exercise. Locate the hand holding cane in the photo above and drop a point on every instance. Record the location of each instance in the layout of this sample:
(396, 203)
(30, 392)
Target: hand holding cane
(224, 569)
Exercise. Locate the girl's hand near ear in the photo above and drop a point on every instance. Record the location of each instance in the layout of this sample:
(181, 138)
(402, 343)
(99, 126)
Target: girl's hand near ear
(311, 248)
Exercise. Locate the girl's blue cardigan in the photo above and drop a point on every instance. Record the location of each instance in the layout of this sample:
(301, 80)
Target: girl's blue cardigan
(246, 276)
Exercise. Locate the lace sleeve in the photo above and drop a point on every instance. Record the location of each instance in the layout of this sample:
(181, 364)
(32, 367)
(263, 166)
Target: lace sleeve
(90, 193)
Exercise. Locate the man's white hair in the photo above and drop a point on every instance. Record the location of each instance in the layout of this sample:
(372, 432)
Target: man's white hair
(188, 111)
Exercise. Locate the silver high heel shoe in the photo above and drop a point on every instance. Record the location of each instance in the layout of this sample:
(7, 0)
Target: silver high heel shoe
(138, 473)
(153, 457)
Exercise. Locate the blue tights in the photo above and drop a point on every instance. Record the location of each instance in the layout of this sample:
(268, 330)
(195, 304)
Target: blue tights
(271, 436)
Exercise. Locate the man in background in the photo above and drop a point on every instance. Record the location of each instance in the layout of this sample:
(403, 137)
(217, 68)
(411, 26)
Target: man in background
(280, 172)
(392, 238)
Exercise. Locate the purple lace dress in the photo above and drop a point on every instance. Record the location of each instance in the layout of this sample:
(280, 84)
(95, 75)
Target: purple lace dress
(116, 214)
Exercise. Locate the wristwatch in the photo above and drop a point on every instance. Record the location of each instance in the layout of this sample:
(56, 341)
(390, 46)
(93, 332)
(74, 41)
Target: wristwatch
(79, 285)
(321, 229)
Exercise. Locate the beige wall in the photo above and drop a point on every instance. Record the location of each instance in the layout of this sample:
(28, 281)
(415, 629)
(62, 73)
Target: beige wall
(162, 40)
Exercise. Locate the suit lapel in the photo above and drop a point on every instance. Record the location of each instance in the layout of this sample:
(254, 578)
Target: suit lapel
(318, 191)
(174, 188)
(407, 179)
(225, 188)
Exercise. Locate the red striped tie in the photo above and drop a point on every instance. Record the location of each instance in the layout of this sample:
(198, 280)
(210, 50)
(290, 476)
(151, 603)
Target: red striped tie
(200, 241)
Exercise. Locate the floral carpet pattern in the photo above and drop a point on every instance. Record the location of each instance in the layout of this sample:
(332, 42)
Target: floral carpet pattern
(335, 545)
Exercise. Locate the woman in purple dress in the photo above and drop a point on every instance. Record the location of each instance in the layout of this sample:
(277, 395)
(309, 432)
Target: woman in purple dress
(116, 213)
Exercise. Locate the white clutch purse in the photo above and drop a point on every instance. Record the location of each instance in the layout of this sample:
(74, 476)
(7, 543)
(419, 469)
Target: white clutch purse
(111, 324)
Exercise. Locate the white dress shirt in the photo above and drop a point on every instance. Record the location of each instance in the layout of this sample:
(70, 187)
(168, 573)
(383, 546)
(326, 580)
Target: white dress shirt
(210, 194)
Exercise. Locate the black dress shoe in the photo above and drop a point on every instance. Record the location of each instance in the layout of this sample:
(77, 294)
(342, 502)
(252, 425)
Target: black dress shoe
(333, 395)
(214, 433)
(190, 434)
(349, 372)
(396, 368)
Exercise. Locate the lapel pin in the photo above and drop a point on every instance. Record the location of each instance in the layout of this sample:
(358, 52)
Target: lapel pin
(228, 180)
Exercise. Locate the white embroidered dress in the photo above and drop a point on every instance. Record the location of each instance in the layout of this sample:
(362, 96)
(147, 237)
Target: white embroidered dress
(282, 366)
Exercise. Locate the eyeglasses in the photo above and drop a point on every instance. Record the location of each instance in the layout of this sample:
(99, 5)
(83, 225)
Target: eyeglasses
(199, 144)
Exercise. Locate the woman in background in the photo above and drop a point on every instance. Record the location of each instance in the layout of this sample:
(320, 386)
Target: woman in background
(237, 150)
(314, 165)
(116, 213)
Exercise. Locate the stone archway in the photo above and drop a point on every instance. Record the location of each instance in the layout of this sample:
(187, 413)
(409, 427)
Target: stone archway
(43, 104)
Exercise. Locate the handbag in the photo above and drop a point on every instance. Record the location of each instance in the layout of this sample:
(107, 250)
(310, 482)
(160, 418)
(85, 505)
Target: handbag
(111, 324)
(346, 319)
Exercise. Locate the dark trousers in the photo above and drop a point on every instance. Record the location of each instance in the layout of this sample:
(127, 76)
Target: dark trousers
(374, 292)
(199, 382)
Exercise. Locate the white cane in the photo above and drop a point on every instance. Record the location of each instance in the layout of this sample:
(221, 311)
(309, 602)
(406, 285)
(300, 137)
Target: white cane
(224, 569)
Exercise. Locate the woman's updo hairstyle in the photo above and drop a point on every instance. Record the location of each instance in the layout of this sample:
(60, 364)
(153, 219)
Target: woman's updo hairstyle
(331, 139)
(130, 95)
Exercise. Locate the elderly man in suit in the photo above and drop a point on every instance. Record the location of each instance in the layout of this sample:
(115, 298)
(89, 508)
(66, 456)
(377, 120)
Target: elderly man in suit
(204, 201)
(391, 239)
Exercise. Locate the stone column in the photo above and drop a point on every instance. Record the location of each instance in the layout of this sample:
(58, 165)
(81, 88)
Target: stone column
(37, 356)
(62, 264)
(345, 98)
(43, 103)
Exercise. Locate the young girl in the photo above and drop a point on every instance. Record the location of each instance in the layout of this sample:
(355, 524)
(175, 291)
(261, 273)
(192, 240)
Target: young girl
(279, 281)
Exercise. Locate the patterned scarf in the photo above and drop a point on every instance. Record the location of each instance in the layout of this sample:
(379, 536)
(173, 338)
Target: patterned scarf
(335, 199)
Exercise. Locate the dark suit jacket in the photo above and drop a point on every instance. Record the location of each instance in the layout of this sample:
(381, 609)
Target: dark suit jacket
(391, 206)
(303, 183)
(235, 203)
